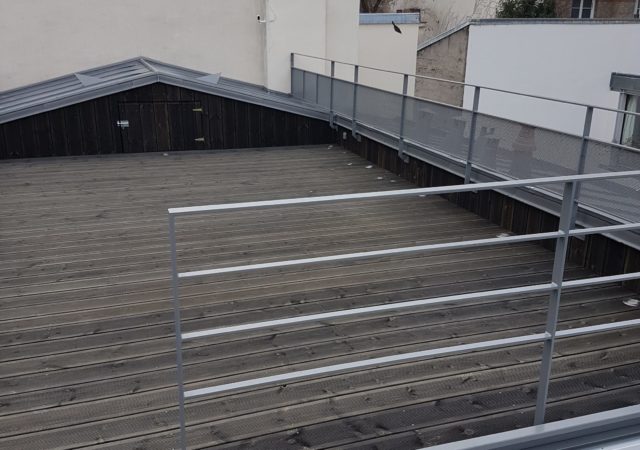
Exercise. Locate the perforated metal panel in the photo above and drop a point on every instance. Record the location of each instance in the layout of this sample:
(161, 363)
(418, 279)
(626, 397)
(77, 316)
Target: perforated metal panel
(324, 91)
(310, 87)
(441, 127)
(380, 109)
(343, 97)
(620, 198)
(518, 150)
(505, 147)
(296, 83)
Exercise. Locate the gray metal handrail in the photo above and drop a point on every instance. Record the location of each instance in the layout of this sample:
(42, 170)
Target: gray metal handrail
(462, 83)
(554, 287)
(582, 146)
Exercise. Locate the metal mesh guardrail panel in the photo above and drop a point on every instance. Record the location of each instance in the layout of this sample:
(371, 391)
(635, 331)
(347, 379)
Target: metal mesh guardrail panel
(441, 127)
(379, 109)
(297, 83)
(508, 148)
(523, 151)
(620, 198)
(324, 91)
(310, 87)
(343, 97)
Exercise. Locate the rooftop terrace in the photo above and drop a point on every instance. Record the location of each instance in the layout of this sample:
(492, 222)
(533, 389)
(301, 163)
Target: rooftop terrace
(87, 339)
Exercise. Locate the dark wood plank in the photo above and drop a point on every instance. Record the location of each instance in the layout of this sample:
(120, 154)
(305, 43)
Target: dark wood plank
(161, 118)
(87, 346)
(149, 127)
(73, 128)
(89, 128)
(106, 130)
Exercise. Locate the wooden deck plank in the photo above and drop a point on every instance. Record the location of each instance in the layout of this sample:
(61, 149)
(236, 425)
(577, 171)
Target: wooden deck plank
(86, 345)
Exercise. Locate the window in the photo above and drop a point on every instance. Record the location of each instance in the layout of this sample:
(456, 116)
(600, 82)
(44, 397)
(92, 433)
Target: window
(582, 9)
(630, 134)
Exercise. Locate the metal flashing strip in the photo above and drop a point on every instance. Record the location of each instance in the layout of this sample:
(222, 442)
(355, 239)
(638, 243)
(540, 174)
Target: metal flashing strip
(444, 35)
(591, 431)
(388, 18)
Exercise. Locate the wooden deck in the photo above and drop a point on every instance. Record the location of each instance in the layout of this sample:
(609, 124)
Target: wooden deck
(86, 347)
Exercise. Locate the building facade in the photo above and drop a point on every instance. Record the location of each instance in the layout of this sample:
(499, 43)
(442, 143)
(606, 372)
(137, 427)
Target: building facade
(246, 40)
(572, 60)
(597, 9)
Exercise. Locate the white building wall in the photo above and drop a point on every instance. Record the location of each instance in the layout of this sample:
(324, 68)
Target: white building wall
(42, 39)
(381, 47)
(293, 26)
(343, 19)
(567, 61)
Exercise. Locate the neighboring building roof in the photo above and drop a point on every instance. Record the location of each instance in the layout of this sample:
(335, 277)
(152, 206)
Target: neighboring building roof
(89, 84)
(444, 35)
(467, 23)
(387, 18)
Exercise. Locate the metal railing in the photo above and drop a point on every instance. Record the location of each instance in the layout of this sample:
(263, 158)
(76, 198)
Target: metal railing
(474, 141)
(554, 287)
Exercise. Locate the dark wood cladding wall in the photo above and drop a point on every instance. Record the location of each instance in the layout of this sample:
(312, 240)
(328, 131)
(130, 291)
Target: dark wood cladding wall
(598, 253)
(161, 118)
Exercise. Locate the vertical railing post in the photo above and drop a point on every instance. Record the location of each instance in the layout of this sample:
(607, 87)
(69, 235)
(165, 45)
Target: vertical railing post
(472, 135)
(178, 330)
(584, 146)
(567, 217)
(586, 131)
(405, 89)
(333, 75)
(292, 66)
(304, 84)
(355, 100)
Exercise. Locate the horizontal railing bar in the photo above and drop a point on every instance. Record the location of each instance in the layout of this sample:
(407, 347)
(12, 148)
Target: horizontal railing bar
(462, 83)
(456, 349)
(605, 229)
(464, 348)
(369, 254)
(438, 190)
(601, 280)
(598, 328)
(538, 288)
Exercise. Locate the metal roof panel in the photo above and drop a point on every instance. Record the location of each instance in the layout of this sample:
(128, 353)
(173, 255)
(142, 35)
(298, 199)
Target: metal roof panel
(121, 76)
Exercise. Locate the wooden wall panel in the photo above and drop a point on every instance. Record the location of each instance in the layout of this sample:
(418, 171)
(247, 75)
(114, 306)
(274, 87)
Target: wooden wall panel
(162, 119)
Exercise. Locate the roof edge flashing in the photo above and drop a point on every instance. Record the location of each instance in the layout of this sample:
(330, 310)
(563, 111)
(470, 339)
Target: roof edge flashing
(388, 18)
(117, 77)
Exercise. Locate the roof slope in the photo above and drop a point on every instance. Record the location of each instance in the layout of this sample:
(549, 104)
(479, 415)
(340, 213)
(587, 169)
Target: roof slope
(124, 75)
